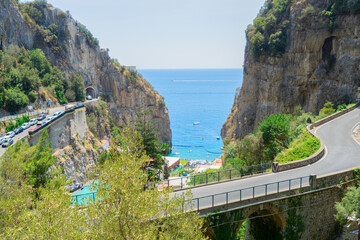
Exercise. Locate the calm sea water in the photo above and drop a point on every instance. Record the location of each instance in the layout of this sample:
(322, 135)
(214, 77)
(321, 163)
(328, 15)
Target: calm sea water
(204, 96)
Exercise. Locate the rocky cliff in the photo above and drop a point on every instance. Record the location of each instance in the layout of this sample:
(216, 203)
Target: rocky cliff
(319, 61)
(71, 47)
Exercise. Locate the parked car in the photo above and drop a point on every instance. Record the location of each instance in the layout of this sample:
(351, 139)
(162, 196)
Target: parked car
(33, 129)
(25, 126)
(40, 123)
(41, 117)
(2, 140)
(57, 114)
(88, 97)
(7, 142)
(33, 122)
(10, 135)
(18, 130)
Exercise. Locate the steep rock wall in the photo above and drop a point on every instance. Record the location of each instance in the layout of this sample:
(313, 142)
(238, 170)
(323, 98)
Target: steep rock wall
(75, 148)
(302, 76)
(75, 53)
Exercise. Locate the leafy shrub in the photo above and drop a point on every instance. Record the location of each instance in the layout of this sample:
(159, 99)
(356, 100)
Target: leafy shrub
(327, 110)
(303, 147)
(308, 12)
(14, 99)
(32, 96)
(277, 44)
(258, 44)
(91, 40)
(269, 28)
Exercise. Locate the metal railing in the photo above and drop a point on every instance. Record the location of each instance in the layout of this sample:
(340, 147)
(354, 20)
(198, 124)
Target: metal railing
(248, 193)
(83, 198)
(207, 178)
(30, 114)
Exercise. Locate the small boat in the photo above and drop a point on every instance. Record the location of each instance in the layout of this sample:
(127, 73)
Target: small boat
(218, 138)
(196, 123)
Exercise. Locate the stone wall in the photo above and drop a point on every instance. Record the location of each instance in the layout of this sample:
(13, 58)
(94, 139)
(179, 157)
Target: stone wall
(298, 214)
(75, 148)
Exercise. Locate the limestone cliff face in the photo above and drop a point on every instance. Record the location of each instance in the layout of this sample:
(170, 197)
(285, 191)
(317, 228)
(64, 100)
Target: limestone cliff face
(76, 53)
(304, 74)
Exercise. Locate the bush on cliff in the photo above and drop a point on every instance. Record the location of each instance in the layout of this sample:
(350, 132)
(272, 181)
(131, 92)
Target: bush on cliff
(24, 72)
(267, 35)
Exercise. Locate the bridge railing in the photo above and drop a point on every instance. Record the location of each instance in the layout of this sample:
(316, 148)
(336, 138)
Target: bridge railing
(249, 193)
(212, 177)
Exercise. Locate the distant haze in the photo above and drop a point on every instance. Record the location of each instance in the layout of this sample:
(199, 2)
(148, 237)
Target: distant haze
(168, 33)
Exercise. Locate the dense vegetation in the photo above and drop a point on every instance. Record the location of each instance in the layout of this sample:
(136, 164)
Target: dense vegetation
(268, 35)
(27, 74)
(279, 137)
(34, 199)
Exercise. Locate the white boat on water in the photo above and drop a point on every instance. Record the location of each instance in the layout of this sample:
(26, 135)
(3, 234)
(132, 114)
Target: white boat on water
(218, 137)
(196, 123)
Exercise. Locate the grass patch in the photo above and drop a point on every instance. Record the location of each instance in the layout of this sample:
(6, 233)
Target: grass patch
(303, 147)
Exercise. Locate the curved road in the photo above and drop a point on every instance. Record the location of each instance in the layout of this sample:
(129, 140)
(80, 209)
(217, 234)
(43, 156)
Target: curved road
(342, 153)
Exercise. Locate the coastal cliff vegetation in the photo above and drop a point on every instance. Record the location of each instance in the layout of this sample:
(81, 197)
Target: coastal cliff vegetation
(26, 75)
(279, 137)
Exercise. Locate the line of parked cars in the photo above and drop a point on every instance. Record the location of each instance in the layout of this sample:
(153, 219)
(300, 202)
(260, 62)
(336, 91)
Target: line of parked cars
(7, 140)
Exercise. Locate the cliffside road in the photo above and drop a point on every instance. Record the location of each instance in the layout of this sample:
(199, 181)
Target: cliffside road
(343, 152)
(51, 112)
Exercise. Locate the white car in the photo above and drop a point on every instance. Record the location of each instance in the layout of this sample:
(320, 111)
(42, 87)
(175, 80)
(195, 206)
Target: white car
(10, 135)
(26, 125)
(49, 119)
(2, 140)
(33, 122)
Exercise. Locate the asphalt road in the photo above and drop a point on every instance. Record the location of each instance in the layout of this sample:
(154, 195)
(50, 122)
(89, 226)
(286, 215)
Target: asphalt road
(343, 153)
(25, 132)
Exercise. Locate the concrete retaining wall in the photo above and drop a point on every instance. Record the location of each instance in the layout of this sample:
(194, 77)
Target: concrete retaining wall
(320, 153)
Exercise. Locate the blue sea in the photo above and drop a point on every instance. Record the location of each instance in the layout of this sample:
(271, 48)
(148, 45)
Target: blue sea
(202, 95)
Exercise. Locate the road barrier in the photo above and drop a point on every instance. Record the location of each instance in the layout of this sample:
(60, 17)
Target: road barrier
(58, 117)
(320, 153)
(239, 195)
(216, 177)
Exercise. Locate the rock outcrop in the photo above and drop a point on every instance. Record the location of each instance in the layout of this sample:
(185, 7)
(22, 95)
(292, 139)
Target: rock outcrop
(73, 50)
(318, 65)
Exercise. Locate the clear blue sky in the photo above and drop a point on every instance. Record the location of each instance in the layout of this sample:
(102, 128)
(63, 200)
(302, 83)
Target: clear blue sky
(168, 33)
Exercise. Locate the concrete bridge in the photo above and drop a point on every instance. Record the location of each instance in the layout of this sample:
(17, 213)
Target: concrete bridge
(295, 204)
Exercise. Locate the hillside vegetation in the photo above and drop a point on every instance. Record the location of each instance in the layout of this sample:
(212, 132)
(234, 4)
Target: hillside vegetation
(279, 137)
(26, 75)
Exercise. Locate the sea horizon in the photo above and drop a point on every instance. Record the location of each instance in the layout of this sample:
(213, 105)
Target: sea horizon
(206, 96)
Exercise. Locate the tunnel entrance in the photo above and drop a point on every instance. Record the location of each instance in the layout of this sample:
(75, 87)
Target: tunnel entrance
(263, 224)
(90, 91)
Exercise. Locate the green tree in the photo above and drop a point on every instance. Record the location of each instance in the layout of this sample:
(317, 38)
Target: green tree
(276, 134)
(14, 99)
(259, 44)
(127, 210)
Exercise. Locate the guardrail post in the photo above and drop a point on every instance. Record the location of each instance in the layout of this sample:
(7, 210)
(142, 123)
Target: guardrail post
(213, 202)
(278, 186)
(312, 181)
(198, 203)
(253, 192)
(265, 189)
(227, 197)
(301, 182)
(240, 194)
(289, 184)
